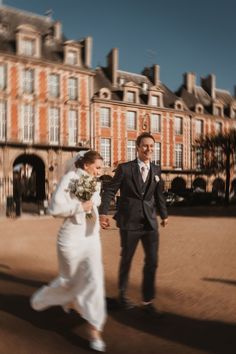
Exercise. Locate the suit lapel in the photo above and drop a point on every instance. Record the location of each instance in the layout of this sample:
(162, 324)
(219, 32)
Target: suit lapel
(136, 176)
(151, 177)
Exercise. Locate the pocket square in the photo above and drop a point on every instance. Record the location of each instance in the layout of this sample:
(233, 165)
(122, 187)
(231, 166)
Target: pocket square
(157, 178)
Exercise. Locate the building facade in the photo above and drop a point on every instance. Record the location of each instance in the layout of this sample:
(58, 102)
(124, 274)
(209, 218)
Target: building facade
(45, 95)
(126, 104)
(53, 104)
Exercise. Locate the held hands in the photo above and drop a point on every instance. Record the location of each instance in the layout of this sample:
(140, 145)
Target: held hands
(87, 206)
(164, 222)
(104, 221)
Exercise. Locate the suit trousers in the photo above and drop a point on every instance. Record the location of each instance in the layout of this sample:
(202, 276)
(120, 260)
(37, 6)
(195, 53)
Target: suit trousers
(129, 243)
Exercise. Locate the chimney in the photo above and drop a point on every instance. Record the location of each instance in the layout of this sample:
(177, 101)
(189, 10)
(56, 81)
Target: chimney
(87, 51)
(190, 82)
(156, 74)
(209, 84)
(112, 63)
(153, 73)
(57, 30)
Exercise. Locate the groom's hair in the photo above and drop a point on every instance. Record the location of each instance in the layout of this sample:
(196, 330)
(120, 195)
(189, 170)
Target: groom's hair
(143, 136)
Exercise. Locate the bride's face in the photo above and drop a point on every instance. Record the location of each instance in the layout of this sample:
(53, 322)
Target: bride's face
(94, 169)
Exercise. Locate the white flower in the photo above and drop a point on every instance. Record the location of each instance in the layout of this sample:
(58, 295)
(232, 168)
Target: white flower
(157, 178)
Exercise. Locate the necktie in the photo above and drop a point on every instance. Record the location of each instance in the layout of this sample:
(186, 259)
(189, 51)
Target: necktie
(144, 172)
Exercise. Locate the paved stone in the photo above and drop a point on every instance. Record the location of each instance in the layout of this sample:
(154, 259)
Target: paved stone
(196, 288)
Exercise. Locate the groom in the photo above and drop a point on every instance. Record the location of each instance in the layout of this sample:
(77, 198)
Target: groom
(141, 197)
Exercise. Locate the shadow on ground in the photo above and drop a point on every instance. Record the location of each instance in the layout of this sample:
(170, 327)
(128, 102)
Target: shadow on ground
(210, 336)
(53, 319)
(203, 211)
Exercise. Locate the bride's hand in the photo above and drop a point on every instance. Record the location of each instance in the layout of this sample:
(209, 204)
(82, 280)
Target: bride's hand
(87, 206)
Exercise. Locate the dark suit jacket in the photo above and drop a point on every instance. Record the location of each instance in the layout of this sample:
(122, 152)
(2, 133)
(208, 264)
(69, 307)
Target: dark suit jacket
(133, 205)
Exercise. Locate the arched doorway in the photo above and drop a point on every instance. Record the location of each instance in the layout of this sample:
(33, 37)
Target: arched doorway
(31, 169)
(199, 183)
(178, 185)
(218, 187)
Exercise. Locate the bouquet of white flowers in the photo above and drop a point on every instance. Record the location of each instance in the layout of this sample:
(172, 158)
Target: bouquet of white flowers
(83, 189)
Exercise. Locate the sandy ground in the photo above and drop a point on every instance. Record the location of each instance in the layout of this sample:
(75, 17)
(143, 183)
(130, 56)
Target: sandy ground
(196, 287)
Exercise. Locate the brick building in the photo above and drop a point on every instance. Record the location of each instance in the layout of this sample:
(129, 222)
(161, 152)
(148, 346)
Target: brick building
(52, 104)
(125, 104)
(45, 93)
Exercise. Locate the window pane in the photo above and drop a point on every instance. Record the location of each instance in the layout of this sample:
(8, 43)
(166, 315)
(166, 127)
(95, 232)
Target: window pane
(157, 154)
(156, 123)
(73, 88)
(72, 57)
(54, 125)
(199, 127)
(131, 120)
(130, 96)
(2, 77)
(106, 151)
(179, 156)
(105, 117)
(28, 122)
(27, 47)
(218, 127)
(28, 81)
(2, 120)
(155, 101)
(131, 150)
(54, 85)
(72, 127)
(179, 125)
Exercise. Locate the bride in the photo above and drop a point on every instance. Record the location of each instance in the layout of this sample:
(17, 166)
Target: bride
(80, 283)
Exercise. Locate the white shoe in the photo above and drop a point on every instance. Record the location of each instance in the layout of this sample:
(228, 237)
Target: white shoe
(97, 344)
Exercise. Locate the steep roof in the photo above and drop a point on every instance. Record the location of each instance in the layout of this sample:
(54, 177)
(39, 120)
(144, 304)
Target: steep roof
(11, 19)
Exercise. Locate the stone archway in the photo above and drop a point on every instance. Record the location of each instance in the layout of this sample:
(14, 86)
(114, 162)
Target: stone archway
(178, 185)
(199, 183)
(218, 186)
(32, 172)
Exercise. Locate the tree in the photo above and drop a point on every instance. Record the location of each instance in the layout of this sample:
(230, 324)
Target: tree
(219, 151)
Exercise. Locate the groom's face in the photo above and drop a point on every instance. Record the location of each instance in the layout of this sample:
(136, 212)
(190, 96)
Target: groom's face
(145, 149)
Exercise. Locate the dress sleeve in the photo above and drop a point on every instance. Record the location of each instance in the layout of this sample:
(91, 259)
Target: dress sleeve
(62, 204)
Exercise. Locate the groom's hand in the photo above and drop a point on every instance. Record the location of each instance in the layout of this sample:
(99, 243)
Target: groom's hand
(164, 222)
(104, 221)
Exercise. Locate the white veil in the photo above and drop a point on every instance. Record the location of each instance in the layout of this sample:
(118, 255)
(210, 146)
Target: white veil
(70, 164)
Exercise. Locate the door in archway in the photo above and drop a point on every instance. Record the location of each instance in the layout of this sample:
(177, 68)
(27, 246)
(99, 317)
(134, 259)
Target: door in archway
(32, 172)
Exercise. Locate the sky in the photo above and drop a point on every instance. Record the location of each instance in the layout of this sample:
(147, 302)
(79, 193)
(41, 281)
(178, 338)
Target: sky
(180, 36)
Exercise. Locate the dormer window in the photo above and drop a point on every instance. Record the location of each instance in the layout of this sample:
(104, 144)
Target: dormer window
(104, 93)
(72, 57)
(72, 53)
(27, 47)
(218, 111)
(155, 101)
(28, 41)
(179, 105)
(130, 96)
(199, 109)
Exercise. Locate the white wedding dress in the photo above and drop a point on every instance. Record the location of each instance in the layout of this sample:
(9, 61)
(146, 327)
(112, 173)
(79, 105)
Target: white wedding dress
(81, 279)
